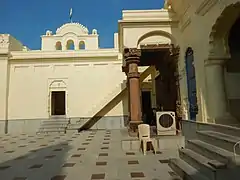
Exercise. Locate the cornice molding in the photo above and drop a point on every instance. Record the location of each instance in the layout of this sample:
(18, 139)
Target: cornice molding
(94, 54)
(205, 6)
(159, 14)
(185, 23)
(185, 19)
(139, 23)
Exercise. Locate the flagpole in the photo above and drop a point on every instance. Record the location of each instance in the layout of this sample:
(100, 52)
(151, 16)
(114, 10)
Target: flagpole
(70, 15)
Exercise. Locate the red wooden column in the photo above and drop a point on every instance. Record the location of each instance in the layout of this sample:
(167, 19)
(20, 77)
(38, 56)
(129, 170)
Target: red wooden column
(132, 59)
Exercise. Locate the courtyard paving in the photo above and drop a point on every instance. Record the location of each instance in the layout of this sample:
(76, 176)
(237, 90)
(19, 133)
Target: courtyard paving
(79, 156)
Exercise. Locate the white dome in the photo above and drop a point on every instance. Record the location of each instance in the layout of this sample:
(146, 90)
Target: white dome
(75, 28)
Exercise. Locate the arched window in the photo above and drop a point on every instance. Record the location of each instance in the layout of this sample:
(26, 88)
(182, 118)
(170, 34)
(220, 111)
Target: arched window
(191, 84)
(58, 45)
(81, 45)
(70, 45)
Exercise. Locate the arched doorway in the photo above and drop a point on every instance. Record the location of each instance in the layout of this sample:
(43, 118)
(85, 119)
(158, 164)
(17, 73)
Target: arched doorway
(57, 98)
(233, 69)
(191, 84)
(223, 91)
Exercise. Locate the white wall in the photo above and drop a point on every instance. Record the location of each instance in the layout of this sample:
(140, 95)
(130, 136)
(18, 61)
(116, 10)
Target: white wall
(87, 84)
(132, 35)
(3, 87)
(116, 40)
(196, 24)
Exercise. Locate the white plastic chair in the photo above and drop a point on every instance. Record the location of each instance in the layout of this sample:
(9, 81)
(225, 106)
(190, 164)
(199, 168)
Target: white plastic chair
(144, 137)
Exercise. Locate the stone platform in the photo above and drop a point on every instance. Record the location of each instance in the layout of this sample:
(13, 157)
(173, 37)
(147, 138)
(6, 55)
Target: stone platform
(72, 156)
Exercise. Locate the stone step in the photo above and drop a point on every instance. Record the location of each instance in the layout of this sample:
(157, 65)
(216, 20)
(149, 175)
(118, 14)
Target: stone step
(221, 140)
(55, 122)
(185, 171)
(52, 127)
(73, 126)
(189, 128)
(213, 152)
(204, 165)
(58, 117)
(52, 131)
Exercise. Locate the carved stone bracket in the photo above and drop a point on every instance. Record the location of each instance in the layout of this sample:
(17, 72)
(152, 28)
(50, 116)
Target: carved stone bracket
(174, 51)
(155, 46)
(179, 109)
(4, 41)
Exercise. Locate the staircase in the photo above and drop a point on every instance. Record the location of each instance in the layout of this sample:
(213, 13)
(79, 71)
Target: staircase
(210, 156)
(75, 123)
(53, 125)
(111, 101)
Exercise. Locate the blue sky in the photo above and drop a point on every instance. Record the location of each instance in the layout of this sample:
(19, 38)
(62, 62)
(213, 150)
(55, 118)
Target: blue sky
(27, 20)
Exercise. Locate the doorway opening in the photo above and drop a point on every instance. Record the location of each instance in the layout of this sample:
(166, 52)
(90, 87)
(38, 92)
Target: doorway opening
(58, 103)
(147, 114)
(166, 85)
(233, 68)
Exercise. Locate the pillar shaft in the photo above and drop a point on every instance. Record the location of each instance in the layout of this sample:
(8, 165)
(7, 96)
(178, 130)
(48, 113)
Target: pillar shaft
(153, 92)
(217, 99)
(132, 58)
(135, 102)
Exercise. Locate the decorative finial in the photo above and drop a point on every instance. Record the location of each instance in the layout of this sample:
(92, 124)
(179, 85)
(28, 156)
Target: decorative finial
(70, 14)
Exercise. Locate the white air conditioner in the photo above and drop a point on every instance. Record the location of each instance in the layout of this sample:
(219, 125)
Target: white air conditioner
(166, 123)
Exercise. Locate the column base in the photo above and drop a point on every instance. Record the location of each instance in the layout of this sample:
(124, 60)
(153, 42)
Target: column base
(133, 128)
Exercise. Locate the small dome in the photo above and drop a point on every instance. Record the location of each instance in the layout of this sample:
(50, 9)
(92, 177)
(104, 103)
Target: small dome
(48, 33)
(75, 28)
(94, 31)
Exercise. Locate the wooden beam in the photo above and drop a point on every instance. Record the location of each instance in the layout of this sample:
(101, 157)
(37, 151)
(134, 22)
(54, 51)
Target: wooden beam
(156, 46)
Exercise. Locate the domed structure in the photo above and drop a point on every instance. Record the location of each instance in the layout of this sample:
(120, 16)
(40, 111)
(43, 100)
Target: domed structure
(75, 28)
(70, 36)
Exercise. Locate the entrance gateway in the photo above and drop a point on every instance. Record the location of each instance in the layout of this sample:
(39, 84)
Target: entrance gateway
(165, 84)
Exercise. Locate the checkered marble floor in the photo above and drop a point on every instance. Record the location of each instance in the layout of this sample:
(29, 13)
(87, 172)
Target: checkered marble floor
(78, 156)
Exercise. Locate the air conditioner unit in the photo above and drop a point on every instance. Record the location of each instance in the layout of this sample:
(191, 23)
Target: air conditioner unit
(166, 123)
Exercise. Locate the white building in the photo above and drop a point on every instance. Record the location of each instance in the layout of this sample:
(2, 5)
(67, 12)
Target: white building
(73, 77)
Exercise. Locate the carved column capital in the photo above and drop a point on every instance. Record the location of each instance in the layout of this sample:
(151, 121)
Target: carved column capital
(132, 55)
(132, 52)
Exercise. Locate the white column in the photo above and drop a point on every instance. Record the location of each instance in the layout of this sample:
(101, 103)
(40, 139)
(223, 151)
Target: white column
(217, 100)
(4, 79)
(76, 46)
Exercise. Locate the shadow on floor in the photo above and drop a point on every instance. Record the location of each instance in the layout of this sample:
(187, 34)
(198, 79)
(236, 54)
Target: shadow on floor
(35, 164)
